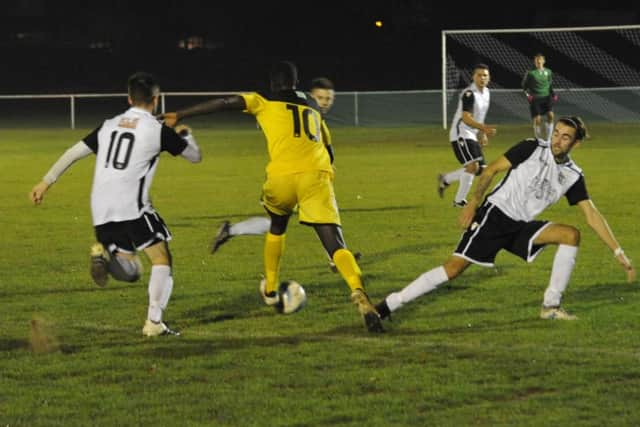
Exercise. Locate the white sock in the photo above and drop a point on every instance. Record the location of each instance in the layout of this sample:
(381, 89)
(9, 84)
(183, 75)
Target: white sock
(549, 126)
(537, 131)
(466, 181)
(423, 284)
(159, 281)
(166, 293)
(454, 176)
(254, 225)
(563, 264)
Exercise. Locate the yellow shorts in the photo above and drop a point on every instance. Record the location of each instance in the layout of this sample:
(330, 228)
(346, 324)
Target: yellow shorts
(311, 191)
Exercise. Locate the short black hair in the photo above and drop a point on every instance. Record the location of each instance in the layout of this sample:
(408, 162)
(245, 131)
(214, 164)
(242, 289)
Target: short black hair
(577, 123)
(142, 87)
(321, 83)
(284, 74)
(481, 66)
(539, 54)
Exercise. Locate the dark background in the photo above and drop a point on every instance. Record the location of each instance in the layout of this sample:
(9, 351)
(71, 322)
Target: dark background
(64, 47)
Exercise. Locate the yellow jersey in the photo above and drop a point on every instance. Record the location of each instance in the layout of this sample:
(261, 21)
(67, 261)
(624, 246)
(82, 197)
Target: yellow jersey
(292, 125)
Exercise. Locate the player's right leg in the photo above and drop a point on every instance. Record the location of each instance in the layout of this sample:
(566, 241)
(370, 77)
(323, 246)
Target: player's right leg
(257, 225)
(479, 244)
(274, 244)
(160, 289)
(425, 283)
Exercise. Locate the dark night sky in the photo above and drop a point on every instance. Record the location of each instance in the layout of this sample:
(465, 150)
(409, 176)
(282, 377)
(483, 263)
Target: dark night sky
(45, 44)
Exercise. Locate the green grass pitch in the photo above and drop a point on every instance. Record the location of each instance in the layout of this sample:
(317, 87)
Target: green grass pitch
(472, 353)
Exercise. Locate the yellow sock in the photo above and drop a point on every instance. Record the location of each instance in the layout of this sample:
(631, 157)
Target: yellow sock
(273, 249)
(348, 268)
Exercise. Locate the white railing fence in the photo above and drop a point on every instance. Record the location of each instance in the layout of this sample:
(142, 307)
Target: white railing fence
(370, 109)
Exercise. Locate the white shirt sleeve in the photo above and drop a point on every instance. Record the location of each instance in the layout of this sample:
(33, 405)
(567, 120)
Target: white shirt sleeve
(191, 152)
(79, 151)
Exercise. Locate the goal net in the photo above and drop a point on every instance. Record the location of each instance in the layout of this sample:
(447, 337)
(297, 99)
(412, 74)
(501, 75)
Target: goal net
(596, 70)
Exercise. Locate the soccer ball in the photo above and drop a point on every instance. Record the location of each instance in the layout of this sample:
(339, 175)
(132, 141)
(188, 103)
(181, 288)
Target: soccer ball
(292, 297)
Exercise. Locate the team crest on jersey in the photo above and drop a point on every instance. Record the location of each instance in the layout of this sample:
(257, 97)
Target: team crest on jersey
(128, 123)
(561, 178)
(468, 93)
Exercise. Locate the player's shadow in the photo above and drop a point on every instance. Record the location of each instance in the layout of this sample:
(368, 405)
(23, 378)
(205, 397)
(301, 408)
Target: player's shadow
(602, 293)
(231, 215)
(247, 305)
(10, 344)
(383, 209)
(223, 217)
(112, 286)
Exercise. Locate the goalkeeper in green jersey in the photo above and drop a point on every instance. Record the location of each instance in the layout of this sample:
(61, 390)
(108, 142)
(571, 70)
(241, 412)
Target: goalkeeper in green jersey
(537, 86)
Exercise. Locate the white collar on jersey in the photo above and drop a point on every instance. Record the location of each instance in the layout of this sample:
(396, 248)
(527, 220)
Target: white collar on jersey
(477, 89)
(140, 110)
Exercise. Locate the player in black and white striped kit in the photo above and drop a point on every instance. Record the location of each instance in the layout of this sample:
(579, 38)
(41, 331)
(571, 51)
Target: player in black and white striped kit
(468, 134)
(127, 149)
(538, 174)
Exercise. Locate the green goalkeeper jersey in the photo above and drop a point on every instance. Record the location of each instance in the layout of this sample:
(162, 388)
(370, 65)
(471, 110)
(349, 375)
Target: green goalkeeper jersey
(538, 82)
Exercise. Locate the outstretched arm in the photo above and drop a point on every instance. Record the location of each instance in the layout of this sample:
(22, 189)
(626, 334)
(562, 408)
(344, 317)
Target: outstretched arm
(73, 154)
(499, 165)
(599, 224)
(234, 102)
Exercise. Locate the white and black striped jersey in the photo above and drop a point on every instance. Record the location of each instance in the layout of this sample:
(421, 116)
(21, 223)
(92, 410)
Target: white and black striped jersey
(535, 181)
(127, 149)
(474, 102)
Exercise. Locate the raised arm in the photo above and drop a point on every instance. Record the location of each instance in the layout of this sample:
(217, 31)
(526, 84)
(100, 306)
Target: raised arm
(78, 151)
(234, 102)
(468, 212)
(599, 224)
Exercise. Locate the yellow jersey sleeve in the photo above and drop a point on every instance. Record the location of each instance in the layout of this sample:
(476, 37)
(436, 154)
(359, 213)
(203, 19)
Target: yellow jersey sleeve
(326, 135)
(255, 102)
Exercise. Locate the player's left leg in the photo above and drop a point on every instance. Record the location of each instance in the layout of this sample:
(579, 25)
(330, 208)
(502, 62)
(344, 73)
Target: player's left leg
(466, 182)
(160, 289)
(537, 127)
(114, 255)
(469, 153)
(319, 209)
(331, 237)
(549, 124)
(568, 239)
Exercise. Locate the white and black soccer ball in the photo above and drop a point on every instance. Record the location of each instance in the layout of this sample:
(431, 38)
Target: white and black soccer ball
(292, 297)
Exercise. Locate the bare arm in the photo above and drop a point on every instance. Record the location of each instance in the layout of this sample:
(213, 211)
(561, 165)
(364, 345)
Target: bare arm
(78, 151)
(599, 224)
(234, 102)
(501, 164)
(488, 130)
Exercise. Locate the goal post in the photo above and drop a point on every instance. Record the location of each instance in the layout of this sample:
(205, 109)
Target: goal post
(595, 72)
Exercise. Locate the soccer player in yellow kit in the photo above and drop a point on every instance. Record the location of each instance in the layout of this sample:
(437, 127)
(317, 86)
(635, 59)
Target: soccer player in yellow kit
(299, 172)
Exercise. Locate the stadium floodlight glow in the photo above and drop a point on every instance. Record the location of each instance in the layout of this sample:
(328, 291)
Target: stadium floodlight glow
(593, 71)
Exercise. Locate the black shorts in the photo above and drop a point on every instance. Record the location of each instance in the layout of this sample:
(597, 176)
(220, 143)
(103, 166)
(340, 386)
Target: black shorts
(492, 230)
(136, 234)
(540, 105)
(467, 151)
